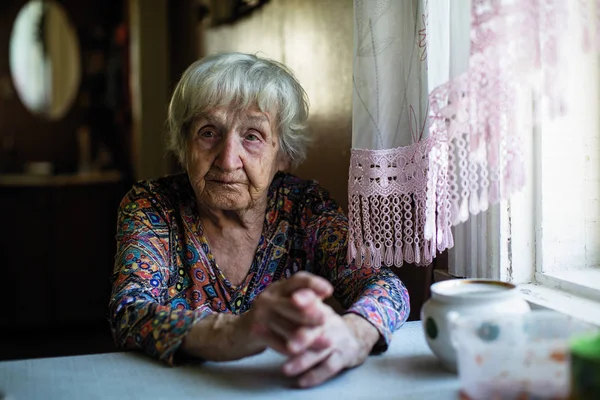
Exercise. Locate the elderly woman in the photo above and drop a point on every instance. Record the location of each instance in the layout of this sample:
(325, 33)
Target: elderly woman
(235, 255)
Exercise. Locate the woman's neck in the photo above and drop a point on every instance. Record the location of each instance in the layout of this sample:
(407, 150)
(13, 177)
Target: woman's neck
(233, 237)
(225, 222)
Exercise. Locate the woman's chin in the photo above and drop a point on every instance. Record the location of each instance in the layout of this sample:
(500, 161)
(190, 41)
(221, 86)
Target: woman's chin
(227, 201)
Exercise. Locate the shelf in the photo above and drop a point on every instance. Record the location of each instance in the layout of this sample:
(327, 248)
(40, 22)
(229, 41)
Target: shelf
(61, 180)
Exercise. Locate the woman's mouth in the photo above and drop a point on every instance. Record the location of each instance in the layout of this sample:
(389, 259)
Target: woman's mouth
(225, 182)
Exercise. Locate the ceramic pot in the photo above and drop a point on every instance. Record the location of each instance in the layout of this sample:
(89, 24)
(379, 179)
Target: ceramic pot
(461, 297)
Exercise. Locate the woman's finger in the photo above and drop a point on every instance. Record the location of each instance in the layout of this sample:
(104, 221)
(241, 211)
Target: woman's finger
(308, 315)
(305, 280)
(303, 362)
(296, 338)
(271, 339)
(303, 298)
(323, 371)
(282, 326)
(322, 342)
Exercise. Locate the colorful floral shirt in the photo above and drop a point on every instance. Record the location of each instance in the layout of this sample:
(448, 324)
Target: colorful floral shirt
(166, 277)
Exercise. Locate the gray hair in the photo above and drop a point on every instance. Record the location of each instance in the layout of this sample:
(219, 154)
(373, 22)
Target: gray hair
(240, 80)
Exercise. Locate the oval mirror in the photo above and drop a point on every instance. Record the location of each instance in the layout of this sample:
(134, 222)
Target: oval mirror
(44, 58)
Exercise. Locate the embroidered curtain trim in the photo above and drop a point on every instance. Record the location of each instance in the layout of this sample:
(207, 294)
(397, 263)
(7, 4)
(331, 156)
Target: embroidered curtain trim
(387, 205)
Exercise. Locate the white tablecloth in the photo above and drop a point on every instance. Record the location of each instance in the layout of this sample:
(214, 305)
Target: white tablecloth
(408, 370)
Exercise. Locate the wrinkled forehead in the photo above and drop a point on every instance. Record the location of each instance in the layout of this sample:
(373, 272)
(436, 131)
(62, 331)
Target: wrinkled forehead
(231, 114)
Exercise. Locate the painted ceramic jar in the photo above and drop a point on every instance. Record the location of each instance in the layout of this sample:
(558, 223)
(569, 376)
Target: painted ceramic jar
(461, 297)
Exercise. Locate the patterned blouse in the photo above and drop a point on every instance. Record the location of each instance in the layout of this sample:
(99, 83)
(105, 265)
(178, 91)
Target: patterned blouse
(166, 277)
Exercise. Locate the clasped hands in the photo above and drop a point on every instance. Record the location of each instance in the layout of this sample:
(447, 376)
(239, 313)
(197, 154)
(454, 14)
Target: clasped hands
(291, 317)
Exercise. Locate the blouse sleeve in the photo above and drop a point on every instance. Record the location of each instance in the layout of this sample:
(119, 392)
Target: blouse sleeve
(140, 313)
(376, 294)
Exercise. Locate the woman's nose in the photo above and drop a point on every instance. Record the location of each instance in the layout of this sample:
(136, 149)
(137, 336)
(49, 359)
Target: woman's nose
(229, 156)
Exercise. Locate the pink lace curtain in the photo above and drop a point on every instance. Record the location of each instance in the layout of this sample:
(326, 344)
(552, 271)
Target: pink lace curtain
(443, 94)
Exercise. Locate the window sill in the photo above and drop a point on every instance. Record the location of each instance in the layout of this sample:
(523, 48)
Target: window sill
(544, 296)
(559, 300)
(585, 282)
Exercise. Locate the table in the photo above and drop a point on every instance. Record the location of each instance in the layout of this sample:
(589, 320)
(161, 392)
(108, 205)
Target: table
(408, 370)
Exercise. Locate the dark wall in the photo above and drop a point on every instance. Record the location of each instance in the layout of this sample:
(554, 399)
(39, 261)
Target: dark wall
(57, 243)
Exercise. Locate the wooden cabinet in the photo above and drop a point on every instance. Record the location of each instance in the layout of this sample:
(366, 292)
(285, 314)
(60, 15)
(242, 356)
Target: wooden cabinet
(56, 252)
(25, 256)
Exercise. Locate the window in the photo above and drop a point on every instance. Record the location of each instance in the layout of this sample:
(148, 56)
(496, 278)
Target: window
(552, 228)
(568, 228)
(547, 237)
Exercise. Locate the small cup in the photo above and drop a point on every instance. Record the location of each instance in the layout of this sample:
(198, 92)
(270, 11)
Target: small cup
(585, 367)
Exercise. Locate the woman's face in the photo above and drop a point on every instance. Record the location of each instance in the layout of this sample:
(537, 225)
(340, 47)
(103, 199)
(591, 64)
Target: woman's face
(232, 158)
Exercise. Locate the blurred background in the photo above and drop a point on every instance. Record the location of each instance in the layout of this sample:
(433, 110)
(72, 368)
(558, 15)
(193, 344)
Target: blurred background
(84, 88)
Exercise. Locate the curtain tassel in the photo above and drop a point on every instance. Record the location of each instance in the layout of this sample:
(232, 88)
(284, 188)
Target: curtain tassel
(389, 256)
(352, 253)
(426, 251)
(376, 257)
(463, 214)
(474, 203)
(417, 253)
(370, 255)
(398, 260)
(483, 200)
(409, 255)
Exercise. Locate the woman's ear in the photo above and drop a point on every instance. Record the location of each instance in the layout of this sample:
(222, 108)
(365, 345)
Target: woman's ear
(284, 163)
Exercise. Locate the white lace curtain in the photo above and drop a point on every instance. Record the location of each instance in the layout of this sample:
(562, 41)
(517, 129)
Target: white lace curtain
(442, 96)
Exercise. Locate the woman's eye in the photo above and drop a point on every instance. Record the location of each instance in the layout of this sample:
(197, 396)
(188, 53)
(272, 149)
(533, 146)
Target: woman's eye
(207, 133)
(251, 137)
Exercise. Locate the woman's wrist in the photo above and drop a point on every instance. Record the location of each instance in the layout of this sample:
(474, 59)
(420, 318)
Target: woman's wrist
(365, 333)
(222, 337)
(244, 333)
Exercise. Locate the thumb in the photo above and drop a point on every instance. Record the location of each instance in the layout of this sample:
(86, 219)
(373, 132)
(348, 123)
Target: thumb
(304, 280)
(303, 298)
